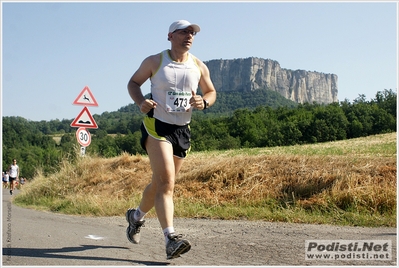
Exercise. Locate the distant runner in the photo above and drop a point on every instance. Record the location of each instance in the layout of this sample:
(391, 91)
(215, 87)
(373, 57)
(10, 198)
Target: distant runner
(13, 171)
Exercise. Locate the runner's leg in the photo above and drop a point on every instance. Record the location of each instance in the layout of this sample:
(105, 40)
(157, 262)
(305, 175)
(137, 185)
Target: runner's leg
(159, 192)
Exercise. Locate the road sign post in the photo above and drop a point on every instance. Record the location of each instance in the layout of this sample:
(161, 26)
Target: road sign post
(82, 151)
(84, 119)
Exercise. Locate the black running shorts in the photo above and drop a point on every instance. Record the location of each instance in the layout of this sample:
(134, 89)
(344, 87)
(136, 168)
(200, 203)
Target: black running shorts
(178, 136)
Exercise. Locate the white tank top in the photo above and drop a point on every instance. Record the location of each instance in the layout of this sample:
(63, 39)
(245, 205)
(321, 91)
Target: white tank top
(171, 87)
(14, 171)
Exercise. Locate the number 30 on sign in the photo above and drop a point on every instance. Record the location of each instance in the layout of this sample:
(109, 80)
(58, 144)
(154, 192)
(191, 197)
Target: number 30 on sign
(83, 136)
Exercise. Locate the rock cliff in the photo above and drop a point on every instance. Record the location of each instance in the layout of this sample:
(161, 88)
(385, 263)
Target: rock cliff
(254, 73)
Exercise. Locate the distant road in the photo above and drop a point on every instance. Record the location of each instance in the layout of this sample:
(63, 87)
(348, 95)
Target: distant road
(48, 239)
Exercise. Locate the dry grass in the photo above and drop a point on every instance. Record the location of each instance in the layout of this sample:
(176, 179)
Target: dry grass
(368, 183)
(343, 178)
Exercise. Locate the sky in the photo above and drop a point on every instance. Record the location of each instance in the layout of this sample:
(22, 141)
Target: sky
(50, 51)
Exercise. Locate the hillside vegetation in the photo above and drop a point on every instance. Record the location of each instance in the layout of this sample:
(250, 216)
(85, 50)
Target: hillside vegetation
(349, 182)
(236, 121)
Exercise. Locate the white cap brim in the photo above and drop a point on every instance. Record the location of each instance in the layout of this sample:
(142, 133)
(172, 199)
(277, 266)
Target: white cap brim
(183, 24)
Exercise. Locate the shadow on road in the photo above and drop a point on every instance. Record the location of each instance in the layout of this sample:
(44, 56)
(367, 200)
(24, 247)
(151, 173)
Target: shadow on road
(151, 263)
(61, 253)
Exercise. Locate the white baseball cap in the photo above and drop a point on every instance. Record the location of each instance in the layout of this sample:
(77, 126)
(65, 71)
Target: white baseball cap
(183, 24)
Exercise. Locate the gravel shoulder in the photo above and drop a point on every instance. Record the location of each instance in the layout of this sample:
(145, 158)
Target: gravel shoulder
(40, 238)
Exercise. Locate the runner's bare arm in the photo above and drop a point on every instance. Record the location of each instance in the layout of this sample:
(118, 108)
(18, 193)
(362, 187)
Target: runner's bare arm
(206, 85)
(146, 69)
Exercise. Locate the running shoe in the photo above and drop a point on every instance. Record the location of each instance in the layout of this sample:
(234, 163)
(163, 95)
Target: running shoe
(176, 246)
(133, 231)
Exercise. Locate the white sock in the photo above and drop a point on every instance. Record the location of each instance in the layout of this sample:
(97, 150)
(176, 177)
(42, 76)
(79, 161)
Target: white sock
(138, 215)
(166, 232)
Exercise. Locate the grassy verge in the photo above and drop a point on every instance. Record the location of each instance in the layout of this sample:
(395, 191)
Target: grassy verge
(350, 182)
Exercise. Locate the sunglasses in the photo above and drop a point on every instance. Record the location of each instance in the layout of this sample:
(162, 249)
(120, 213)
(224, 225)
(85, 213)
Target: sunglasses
(185, 32)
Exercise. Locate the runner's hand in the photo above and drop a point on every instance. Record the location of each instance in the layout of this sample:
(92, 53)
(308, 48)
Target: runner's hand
(147, 105)
(196, 101)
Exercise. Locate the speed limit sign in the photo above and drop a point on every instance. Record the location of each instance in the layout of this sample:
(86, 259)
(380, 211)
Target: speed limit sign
(83, 136)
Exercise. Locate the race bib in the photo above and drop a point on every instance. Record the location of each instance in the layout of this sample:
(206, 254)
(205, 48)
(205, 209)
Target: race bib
(178, 102)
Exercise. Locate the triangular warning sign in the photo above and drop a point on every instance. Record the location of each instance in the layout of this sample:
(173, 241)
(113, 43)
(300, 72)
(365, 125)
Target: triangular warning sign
(84, 119)
(86, 98)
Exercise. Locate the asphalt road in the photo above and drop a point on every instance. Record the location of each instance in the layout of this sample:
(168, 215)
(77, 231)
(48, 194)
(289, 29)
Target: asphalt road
(48, 239)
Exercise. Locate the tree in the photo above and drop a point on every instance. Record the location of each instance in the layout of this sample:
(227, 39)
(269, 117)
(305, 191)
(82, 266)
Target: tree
(386, 100)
